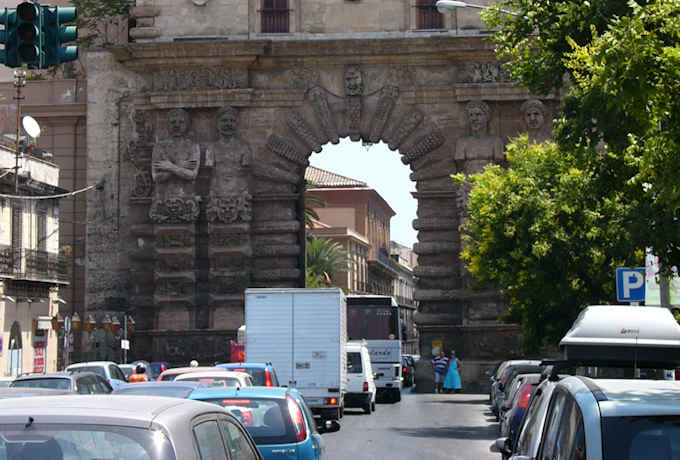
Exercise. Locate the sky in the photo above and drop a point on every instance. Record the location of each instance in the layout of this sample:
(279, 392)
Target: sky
(384, 172)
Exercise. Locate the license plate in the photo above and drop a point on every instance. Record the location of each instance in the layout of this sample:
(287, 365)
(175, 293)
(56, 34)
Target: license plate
(314, 401)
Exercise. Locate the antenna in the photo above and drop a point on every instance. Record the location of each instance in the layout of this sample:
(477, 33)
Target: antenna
(31, 126)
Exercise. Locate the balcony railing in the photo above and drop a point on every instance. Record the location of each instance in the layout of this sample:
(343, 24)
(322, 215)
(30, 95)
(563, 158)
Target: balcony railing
(33, 264)
(275, 20)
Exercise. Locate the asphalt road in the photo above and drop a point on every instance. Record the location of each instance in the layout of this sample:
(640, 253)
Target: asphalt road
(420, 427)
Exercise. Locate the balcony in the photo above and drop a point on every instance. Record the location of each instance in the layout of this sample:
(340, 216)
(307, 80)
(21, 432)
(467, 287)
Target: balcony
(32, 264)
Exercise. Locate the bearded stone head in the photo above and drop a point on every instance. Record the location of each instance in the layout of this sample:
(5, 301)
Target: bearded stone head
(354, 81)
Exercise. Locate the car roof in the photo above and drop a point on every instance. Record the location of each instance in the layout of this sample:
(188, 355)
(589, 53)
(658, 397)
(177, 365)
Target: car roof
(165, 384)
(184, 370)
(242, 392)
(92, 363)
(52, 375)
(22, 392)
(137, 411)
(216, 373)
(245, 365)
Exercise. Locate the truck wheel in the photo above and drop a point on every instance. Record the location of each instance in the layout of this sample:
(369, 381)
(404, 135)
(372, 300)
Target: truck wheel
(397, 395)
(367, 407)
(373, 406)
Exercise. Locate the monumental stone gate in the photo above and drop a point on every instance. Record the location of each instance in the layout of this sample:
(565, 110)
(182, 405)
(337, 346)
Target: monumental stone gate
(199, 148)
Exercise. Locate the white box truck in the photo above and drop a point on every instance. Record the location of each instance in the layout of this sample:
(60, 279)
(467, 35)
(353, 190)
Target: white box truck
(302, 332)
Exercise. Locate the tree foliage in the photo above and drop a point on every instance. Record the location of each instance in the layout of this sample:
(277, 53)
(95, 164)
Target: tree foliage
(91, 13)
(325, 257)
(542, 231)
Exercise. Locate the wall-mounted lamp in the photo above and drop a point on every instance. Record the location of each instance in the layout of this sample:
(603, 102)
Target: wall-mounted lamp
(60, 300)
(9, 298)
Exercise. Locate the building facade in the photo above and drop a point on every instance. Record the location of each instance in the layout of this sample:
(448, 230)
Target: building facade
(32, 270)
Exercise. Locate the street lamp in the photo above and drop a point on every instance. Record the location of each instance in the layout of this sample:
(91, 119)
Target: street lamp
(444, 5)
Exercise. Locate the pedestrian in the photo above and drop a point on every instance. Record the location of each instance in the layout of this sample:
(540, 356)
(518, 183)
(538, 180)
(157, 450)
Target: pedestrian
(452, 381)
(139, 374)
(440, 364)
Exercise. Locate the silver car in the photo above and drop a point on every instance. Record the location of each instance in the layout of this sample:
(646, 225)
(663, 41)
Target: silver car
(122, 427)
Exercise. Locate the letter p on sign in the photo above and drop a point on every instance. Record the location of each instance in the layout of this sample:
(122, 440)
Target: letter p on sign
(630, 284)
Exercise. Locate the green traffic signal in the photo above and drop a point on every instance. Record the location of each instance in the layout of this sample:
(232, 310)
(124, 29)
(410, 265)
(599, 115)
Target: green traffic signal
(56, 33)
(29, 39)
(8, 56)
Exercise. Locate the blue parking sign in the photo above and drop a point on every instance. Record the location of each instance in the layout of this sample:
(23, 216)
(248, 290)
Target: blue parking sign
(630, 284)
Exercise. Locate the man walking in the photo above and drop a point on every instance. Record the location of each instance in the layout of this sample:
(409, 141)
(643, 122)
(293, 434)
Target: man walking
(440, 363)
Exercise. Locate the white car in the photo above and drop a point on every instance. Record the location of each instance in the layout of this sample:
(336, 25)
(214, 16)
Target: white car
(217, 378)
(107, 369)
(5, 381)
(361, 385)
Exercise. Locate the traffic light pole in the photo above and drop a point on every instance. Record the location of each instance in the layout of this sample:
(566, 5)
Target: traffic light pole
(19, 82)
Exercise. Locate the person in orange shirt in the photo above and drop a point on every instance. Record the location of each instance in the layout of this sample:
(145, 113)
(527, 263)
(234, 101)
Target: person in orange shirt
(139, 374)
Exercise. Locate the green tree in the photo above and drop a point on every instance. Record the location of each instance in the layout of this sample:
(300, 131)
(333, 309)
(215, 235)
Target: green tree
(311, 203)
(542, 231)
(324, 258)
(91, 13)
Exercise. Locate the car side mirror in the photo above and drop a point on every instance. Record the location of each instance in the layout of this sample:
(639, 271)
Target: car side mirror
(502, 445)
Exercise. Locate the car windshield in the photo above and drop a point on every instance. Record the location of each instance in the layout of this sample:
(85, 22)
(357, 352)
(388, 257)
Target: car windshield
(96, 369)
(53, 383)
(266, 420)
(156, 390)
(214, 381)
(84, 442)
(156, 369)
(641, 437)
(127, 371)
(354, 363)
(257, 374)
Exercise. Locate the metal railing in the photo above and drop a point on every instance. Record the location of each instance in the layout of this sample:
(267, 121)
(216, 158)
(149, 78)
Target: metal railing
(427, 16)
(22, 263)
(275, 20)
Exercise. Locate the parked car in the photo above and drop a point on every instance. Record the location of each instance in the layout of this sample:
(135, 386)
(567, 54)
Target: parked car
(221, 377)
(361, 389)
(107, 369)
(278, 419)
(263, 374)
(512, 417)
(169, 375)
(529, 432)
(79, 382)
(173, 389)
(155, 369)
(494, 376)
(508, 374)
(408, 370)
(124, 427)
(5, 381)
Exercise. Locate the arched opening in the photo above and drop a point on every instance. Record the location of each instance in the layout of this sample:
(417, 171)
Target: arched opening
(15, 350)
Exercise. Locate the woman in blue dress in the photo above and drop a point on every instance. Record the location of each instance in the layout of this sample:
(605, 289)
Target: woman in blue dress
(452, 381)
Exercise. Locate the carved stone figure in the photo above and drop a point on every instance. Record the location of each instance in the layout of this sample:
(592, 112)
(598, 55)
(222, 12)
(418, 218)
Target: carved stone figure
(174, 167)
(354, 81)
(480, 148)
(230, 158)
(534, 114)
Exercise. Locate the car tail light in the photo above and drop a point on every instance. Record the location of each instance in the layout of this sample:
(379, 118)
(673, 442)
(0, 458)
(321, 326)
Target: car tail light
(365, 387)
(404, 370)
(331, 401)
(238, 369)
(525, 397)
(298, 420)
(235, 402)
(268, 379)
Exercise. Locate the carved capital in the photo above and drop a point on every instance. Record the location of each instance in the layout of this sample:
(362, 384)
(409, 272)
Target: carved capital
(174, 210)
(229, 209)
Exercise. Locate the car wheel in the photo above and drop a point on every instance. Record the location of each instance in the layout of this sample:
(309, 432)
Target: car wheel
(397, 395)
(373, 406)
(367, 407)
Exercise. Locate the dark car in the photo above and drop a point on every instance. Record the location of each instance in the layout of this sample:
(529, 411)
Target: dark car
(171, 389)
(408, 370)
(263, 374)
(78, 382)
(508, 375)
(517, 407)
(155, 369)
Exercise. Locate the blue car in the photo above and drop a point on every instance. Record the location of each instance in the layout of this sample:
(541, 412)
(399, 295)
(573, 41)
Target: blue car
(277, 418)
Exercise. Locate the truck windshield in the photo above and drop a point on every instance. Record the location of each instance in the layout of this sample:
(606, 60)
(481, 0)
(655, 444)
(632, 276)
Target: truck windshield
(641, 437)
(372, 322)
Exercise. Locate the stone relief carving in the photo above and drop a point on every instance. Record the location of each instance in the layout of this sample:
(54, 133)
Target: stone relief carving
(534, 114)
(143, 184)
(229, 158)
(174, 262)
(319, 100)
(305, 78)
(198, 79)
(388, 97)
(408, 123)
(174, 288)
(287, 150)
(484, 72)
(422, 147)
(139, 153)
(228, 239)
(402, 76)
(354, 90)
(174, 167)
(298, 124)
(174, 239)
(478, 149)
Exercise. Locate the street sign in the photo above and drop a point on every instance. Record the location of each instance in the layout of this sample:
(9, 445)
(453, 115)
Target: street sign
(125, 344)
(630, 284)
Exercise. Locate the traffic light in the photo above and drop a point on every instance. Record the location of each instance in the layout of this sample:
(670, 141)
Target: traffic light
(56, 33)
(8, 38)
(29, 37)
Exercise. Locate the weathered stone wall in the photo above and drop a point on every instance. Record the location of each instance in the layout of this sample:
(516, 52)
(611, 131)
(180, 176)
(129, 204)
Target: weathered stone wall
(233, 217)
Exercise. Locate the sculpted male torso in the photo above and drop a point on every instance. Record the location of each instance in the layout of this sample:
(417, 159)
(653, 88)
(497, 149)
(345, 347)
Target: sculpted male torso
(480, 148)
(229, 157)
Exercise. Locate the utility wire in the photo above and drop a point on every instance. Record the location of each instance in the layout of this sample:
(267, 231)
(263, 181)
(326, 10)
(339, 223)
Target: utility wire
(47, 197)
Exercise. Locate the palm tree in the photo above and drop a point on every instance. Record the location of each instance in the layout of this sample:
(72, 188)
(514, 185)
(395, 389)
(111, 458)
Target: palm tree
(310, 213)
(324, 257)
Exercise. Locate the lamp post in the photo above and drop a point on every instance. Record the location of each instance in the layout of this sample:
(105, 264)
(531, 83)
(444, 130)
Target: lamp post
(19, 82)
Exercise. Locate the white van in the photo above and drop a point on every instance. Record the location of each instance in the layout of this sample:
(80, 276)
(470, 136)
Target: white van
(360, 386)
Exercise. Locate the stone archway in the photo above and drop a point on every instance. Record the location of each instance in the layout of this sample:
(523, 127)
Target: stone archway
(184, 252)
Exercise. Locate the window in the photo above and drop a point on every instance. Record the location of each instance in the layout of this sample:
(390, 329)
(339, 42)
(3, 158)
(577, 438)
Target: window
(237, 441)
(552, 426)
(427, 16)
(564, 431)
(275, 16)
(209, 441)
(116, 373)
(530, 425)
